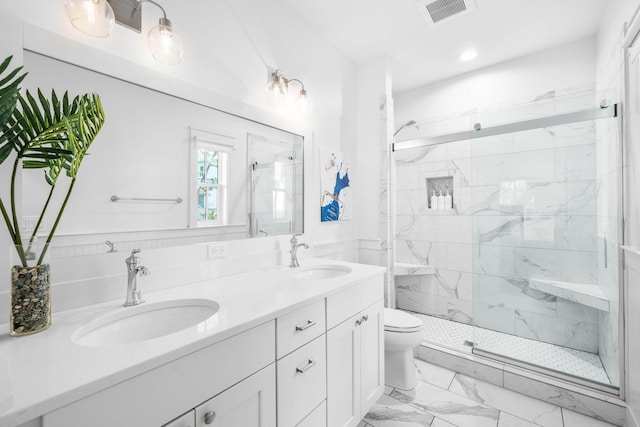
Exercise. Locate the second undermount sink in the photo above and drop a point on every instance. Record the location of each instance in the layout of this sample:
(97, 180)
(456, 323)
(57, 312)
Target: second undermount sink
(144, 322)
(319, 272)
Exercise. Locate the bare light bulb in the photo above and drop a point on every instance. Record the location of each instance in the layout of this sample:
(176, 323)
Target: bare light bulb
(165, 44)
(92, 17)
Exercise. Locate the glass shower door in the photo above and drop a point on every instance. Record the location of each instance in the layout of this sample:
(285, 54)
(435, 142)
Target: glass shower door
(543, 212)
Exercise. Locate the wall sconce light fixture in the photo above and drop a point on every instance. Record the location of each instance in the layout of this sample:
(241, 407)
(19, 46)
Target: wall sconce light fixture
(96, 18)
(278, 89)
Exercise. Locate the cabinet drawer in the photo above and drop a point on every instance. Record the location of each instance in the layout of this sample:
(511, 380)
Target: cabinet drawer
(298, 328)
(302, 382)
(318, 418)
(345, 304)
(186, 420)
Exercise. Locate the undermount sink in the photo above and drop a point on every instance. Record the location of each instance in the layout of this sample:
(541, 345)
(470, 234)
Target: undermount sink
(144, 322)
(318, 272)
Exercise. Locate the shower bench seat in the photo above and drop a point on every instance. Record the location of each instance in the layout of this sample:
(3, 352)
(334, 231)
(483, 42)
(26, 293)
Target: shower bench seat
(581, 293)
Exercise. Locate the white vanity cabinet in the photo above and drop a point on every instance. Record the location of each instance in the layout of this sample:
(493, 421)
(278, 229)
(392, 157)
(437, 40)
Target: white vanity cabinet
(157, 396)
(302, 382)
(320, 365)
(250, 403)
(302, 366)
(186, 420)
(317, 418)
(355, 353)
(345, 365)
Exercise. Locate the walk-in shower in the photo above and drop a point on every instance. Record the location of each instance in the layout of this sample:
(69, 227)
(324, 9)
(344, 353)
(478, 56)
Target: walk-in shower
(523, 266)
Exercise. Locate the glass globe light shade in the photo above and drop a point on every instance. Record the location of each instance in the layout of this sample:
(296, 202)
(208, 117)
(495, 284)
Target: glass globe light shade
(277, 90)
(165, 44)
(303, 103)
(92, 17)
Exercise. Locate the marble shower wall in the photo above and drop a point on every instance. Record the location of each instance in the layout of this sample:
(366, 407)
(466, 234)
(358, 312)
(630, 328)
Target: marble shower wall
(525, 207)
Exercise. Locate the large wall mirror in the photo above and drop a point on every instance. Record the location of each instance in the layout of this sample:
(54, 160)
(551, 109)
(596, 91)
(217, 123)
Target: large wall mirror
(166, 163)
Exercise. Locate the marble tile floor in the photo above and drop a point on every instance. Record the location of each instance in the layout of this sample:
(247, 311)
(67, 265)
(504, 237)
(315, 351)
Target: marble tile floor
(444, 398)
(453, 335)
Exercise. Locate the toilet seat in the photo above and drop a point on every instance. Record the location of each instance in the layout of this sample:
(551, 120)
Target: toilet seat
(399, 321)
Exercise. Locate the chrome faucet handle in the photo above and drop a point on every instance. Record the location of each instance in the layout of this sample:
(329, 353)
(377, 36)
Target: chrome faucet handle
(294, 238)
(133, 259)
(144, 271)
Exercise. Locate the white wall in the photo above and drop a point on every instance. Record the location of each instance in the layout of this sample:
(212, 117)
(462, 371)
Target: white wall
(230, 47)
(375, 130)
(567, 66)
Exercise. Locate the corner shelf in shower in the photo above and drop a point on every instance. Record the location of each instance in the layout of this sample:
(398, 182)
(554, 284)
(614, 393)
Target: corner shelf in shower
(407, 269)
(581, 293)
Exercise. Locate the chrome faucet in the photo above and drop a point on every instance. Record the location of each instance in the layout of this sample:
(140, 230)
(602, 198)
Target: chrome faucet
(294, 250)
(134, 296)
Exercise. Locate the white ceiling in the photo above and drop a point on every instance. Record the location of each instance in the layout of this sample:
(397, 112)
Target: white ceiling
(421, 53)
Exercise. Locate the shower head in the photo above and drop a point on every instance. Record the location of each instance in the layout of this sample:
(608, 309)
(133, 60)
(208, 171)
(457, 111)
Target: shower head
(409, 123)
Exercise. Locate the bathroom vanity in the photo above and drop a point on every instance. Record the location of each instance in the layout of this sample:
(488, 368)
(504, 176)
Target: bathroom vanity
(284, 347)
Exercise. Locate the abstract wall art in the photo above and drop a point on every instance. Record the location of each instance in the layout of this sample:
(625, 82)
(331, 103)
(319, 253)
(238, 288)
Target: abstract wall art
(336, 198)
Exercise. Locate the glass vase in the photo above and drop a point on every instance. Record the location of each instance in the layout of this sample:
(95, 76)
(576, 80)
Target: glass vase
(30, 291)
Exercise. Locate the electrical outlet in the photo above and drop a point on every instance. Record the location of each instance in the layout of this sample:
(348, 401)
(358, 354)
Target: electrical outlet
(29, 223)
(215, 250)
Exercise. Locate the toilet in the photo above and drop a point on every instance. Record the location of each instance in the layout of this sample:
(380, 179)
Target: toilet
(402, 334)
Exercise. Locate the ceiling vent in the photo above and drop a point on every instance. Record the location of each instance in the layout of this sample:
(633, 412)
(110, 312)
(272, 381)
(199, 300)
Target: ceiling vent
(438, 11)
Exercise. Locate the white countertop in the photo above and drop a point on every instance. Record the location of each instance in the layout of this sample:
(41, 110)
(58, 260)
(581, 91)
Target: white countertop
(45, 371)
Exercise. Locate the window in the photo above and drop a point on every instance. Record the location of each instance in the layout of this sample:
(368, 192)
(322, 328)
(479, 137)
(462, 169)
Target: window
(211, 186)
(209, 160)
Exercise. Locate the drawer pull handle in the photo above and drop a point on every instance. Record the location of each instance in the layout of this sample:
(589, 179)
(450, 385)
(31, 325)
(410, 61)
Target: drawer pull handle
(309, 324)
(209, 417)
(305, 368)
(365, 317)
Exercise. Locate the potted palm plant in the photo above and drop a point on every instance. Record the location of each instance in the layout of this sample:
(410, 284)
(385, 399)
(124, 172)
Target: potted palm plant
(53, 135)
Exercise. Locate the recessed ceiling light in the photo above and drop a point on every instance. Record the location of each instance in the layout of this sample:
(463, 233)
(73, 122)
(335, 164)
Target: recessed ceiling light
(468, 55)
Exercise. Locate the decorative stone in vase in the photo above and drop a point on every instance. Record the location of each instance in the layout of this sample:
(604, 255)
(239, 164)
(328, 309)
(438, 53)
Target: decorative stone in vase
(30, 299)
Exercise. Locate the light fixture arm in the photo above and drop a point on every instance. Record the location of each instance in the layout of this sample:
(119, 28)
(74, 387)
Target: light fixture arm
(152, 2)
(295, 80)
(277, 73)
